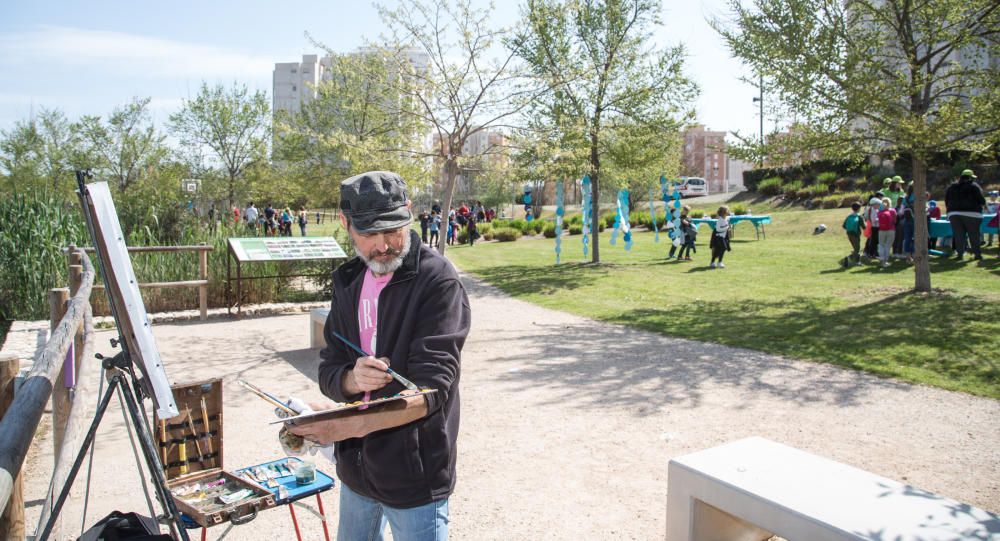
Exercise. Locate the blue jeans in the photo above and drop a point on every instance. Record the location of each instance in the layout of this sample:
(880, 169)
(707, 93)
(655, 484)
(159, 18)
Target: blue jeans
(363, 519)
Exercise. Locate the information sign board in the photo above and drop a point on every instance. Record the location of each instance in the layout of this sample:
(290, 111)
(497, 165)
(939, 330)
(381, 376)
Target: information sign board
(285, 248)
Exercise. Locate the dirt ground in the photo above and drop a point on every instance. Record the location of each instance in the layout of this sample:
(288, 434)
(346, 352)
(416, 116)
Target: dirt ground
(568, 424)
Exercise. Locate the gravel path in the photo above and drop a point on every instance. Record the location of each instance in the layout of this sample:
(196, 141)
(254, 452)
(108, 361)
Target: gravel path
(568, 424)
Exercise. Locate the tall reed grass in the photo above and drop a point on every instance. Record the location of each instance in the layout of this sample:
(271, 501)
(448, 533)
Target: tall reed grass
(34, 227)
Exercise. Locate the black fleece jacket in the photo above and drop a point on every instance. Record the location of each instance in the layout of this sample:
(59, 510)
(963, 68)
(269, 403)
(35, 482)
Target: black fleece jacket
(965, 196)
(423, 320)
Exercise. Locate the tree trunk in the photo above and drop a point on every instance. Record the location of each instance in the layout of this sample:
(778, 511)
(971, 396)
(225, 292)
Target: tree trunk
(921, 266)
(451, 170)
(232, 190)
(595, 190)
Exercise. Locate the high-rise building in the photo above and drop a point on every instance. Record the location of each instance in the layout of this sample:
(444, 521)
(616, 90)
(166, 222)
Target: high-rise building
(705, 156)
(294, 83)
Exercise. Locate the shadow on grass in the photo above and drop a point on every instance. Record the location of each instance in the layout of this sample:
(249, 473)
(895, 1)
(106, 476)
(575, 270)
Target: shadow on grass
(523, 279)
(943, 339)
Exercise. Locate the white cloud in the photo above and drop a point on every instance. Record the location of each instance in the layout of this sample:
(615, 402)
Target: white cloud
(130, 54)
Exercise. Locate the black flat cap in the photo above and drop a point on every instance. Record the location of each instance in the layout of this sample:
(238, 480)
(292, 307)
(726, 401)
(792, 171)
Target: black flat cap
(375, 201)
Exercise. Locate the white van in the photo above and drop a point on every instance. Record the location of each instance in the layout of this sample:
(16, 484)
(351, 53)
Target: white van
(693, 186)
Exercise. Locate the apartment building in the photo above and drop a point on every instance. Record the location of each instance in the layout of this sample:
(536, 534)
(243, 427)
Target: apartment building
(705, 156)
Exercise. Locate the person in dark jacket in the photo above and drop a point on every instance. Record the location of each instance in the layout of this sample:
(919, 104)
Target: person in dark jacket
(964, 200)
(406, 307)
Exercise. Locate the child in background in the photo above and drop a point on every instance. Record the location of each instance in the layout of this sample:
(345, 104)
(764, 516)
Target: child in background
(689, 235)
(886, 230)
(854, 225)
(435, 227)
(452, 229)
(991, 208)
(933, 213)
(908, 230)
(871, 217)
(720, 238)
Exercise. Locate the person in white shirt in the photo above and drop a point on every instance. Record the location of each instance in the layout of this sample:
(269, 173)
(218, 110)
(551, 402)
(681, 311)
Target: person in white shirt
(250, 215)
(720, 238)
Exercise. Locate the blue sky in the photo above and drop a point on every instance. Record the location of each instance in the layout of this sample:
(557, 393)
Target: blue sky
(88, 57)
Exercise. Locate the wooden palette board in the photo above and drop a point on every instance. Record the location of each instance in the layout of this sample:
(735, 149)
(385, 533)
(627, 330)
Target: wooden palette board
(353, 407)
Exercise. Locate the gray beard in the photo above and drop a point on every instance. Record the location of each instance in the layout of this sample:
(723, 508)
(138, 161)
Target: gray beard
(390, 267)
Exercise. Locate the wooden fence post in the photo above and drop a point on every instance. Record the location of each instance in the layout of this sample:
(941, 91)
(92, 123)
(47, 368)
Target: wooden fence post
(58, 298)
(203, 289)
(75, 282)
(12, 518)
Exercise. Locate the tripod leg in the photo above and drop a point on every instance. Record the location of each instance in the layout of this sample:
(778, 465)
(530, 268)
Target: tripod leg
(135, 453)
(153, 460)
(87, 442)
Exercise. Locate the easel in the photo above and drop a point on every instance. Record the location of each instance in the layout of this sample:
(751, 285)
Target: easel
(118, 370)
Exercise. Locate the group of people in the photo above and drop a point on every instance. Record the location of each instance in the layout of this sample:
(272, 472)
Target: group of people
(684, 236)
(888, 220)
(273, 222)
(432, 223)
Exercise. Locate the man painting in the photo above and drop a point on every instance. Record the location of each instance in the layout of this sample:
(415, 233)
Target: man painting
(406, 307)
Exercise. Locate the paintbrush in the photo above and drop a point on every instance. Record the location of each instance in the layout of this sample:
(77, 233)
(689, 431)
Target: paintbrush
(208, 429)
(268, 397)
(406, 383)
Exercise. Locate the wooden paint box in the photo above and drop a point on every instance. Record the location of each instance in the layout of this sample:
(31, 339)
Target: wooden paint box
(191, 448)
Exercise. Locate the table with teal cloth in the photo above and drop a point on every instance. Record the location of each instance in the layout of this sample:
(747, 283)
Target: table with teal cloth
(757, 221)
(942, 228)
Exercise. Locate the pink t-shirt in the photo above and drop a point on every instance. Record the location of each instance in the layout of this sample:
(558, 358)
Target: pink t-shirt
(887, 219)
(368, 309)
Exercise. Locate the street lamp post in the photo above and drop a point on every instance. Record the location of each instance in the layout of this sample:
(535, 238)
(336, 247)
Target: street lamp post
(760, 100)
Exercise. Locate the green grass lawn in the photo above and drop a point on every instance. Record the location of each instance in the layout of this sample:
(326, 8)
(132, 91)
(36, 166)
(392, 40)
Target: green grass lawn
(785, 295)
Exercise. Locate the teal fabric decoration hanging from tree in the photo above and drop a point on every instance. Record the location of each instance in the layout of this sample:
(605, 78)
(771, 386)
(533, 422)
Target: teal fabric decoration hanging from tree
(587, 218)
(559, 219)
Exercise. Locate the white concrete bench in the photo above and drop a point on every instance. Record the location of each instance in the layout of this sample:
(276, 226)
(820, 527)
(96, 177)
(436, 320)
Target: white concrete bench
(317, 319)
(753, 488)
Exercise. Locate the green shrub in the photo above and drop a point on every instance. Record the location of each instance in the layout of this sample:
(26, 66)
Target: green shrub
(518, 224)
(844, 184)
(697, 214)
(738, 209)
(463, 236)
(538, 225)
(575, 229)
(792, 188)
(550, 230)
(575, 219)
(484, 228)
(847, 198)
(770, 186)
(819, 190)
(608, 220)
(804, 193)
(831, 201)
(826, 178)
(506, 234)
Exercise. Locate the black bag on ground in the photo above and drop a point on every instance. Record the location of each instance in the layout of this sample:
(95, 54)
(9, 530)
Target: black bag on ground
(118, 525)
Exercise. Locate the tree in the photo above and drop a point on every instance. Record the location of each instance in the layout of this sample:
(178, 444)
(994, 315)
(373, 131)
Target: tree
(21, 156)
(352, 125)
(43, 152)
(595, 58)
(126, 145)
(233, 124)
(461, 92)
(866, 77)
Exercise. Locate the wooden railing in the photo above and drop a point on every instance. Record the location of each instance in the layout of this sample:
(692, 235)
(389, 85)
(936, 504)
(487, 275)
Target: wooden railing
(72, 325)
(201, 283)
